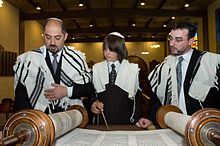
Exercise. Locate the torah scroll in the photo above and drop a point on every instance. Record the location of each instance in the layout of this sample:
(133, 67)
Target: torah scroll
(200, 129)
(34, 127)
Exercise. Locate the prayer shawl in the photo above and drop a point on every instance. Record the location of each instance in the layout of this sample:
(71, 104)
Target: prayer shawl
(32, 71)
(163, 78)
(126, 79)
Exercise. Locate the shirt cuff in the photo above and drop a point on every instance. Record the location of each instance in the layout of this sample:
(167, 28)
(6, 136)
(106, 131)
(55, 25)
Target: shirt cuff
(69, 91)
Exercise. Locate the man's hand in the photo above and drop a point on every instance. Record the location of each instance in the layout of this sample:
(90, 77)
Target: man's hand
(97, 107)
(55, 92)
(143, 123)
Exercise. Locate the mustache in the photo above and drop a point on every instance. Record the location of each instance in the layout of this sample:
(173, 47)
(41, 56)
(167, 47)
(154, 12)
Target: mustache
(52, 46)
(172, 47)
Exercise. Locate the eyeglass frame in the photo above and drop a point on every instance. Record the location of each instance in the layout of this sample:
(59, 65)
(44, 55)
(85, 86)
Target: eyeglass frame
(176, 39)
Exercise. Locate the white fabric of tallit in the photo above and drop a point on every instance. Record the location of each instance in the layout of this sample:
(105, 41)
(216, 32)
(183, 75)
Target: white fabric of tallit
(204, 79)
(127, 77)
(34, 61)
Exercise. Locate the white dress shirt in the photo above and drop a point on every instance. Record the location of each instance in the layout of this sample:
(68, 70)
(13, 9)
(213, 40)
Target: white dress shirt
(117, 65)
(58, 56)
(69, 89)
(185, 63)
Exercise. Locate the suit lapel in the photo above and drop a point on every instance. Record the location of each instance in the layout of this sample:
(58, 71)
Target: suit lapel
(56, 76)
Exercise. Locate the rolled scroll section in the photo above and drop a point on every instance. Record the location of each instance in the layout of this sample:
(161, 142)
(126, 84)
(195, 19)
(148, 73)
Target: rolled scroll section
(200, 129)
(34, 127)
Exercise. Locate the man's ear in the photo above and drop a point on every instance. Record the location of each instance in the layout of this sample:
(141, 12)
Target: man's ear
(65, 36)
(191, 40)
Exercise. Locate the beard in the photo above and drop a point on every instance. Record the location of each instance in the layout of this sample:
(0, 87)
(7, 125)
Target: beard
(53, 49)
(174, 51)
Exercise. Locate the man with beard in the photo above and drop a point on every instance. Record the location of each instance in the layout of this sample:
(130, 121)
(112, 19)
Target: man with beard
(52, 77)
(187, 78)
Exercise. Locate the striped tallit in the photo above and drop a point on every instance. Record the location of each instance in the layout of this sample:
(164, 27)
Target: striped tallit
(32, 71)
(163, 78)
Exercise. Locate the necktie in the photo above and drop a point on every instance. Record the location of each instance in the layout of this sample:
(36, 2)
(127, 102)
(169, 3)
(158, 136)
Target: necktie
(54, 63)
(112, 75)
(179, 73)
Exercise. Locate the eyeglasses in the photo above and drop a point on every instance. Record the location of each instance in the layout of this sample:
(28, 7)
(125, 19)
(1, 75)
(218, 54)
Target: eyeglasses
(176, 39)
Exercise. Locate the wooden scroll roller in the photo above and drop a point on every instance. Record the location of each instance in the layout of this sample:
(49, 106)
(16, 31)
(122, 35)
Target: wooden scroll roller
(35, 128)
(200, 129)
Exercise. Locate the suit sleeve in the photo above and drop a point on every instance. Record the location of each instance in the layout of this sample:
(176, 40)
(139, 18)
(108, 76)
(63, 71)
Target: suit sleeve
(150, 106)
(86, 90)
(154, 105)
(83, 90)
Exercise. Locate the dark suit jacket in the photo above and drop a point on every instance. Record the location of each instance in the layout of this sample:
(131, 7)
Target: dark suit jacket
(118, 107)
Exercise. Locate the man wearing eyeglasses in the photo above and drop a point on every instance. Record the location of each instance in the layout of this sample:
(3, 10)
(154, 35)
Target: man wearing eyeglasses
(187, 78)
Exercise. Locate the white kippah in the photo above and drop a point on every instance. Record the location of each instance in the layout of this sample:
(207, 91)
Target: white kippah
(53, 18)
(117, 34)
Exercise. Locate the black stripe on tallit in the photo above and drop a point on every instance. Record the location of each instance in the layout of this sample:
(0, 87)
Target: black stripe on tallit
(154, 71)
(65, 79)
(38, 88)
(167, 88)
(16, 70)
(196, 66)
(22, 68)
(77, 61)
(157, 82)
(218, 76)
(78, 71)
(159, 78)
(27, 71)
(81, 65)
(41, 80)
(37, 50)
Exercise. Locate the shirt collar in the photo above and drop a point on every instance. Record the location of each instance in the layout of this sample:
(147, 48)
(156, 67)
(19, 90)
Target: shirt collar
(58, 55)
(116, 63)
(186, 56)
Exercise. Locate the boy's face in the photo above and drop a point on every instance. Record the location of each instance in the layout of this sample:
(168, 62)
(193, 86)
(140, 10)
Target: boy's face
(110, 55)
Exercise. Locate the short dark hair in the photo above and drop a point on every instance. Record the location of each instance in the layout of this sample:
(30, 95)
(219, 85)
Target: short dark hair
(192, 28)
(63, 27)
(116, 44)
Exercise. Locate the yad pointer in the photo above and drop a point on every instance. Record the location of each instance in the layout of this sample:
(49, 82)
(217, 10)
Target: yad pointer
(104, 117)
